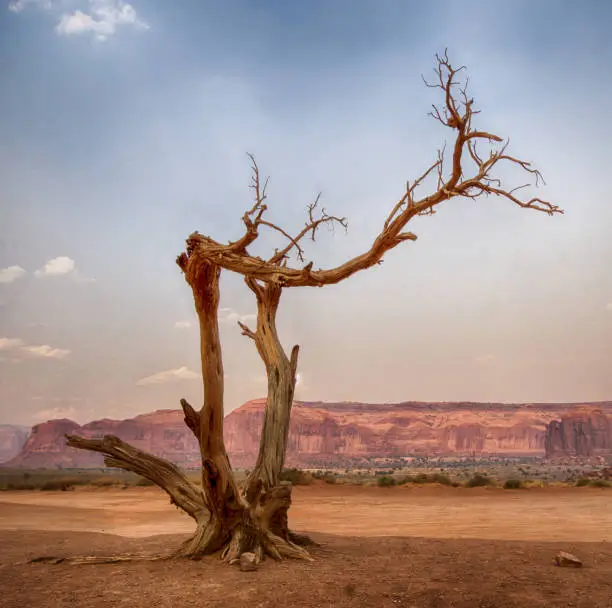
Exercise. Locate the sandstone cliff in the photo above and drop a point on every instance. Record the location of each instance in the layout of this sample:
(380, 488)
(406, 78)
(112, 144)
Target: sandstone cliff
(12, 440)
(325, 433)
(583, 433)
(162, 433)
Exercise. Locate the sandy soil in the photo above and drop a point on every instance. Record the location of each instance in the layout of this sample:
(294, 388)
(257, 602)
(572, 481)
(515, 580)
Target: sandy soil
(563, 514)
(413, 547)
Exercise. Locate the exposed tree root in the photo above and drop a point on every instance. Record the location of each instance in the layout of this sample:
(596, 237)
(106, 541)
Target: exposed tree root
(265, 544)
(94, 559)
(206, 541)
(302, 540)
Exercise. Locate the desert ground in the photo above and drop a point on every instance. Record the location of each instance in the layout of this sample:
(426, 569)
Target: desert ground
(412, 546)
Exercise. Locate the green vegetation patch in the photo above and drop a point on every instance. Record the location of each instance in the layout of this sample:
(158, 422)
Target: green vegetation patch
(479, 481)
(514, 484)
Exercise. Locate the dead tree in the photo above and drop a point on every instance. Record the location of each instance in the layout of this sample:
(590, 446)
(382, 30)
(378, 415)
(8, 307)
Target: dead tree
(231, 519)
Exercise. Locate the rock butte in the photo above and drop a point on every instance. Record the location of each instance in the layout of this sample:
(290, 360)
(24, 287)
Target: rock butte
(336, 433)
(583, 432)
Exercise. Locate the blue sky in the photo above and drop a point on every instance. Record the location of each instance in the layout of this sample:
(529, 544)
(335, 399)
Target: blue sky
(124, 127)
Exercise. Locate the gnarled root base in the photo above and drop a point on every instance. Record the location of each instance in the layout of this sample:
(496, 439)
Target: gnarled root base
(263, 543)
(262, 530)
(228, 523)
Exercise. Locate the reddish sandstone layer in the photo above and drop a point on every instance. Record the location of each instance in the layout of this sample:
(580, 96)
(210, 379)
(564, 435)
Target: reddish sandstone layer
(162, 433)
(322, 433)
(584, 432)
(327, 433)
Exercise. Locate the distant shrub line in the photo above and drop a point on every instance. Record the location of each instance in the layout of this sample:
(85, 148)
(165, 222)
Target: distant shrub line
(594, 483)
(49, 480)
(52, 481)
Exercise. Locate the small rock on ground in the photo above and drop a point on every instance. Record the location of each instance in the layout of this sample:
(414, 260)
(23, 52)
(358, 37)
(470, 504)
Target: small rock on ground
(247, 562)
(567, 560)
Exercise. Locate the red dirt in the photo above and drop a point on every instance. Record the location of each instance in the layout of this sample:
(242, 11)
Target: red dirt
(350, 570)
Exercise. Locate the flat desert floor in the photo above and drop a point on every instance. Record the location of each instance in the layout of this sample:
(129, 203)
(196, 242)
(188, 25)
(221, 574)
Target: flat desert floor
(405, 546)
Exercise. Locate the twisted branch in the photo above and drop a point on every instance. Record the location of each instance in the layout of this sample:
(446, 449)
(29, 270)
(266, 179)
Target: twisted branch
(456, 114)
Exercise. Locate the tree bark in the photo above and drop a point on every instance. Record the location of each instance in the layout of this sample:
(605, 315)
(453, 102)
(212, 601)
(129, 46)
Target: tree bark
(167, 476)
(221, 492)
(281, 372)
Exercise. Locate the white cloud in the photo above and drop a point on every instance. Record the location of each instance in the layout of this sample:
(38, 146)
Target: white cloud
(182, 324)
(18, 5)
(609, 306)
(170, 375)
(11, 273)
(54, 413)
(46, 352)
(485, 359)
(102, 19)
(99, 18)
(56, 266)
(229, 316)
(43, 351)
(62, 266)
(10, 343)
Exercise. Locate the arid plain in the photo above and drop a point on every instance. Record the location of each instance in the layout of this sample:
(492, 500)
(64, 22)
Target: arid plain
(400, 546)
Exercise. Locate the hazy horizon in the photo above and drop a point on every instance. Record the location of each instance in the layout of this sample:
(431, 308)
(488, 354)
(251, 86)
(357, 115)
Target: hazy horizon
(125, 127)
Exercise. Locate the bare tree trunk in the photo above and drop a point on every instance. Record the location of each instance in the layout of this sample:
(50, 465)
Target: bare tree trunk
(220, 489)
(281, 372)
(264, 528)
(221, 492)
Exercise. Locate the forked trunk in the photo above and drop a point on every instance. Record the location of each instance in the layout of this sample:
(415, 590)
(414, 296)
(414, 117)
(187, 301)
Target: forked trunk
(228, 519)
(255, 519)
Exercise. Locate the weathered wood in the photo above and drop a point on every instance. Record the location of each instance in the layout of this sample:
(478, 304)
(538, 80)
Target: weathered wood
(192, 418)
(85, 560)
(281, 373)
(166, 475)
(219, 485)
